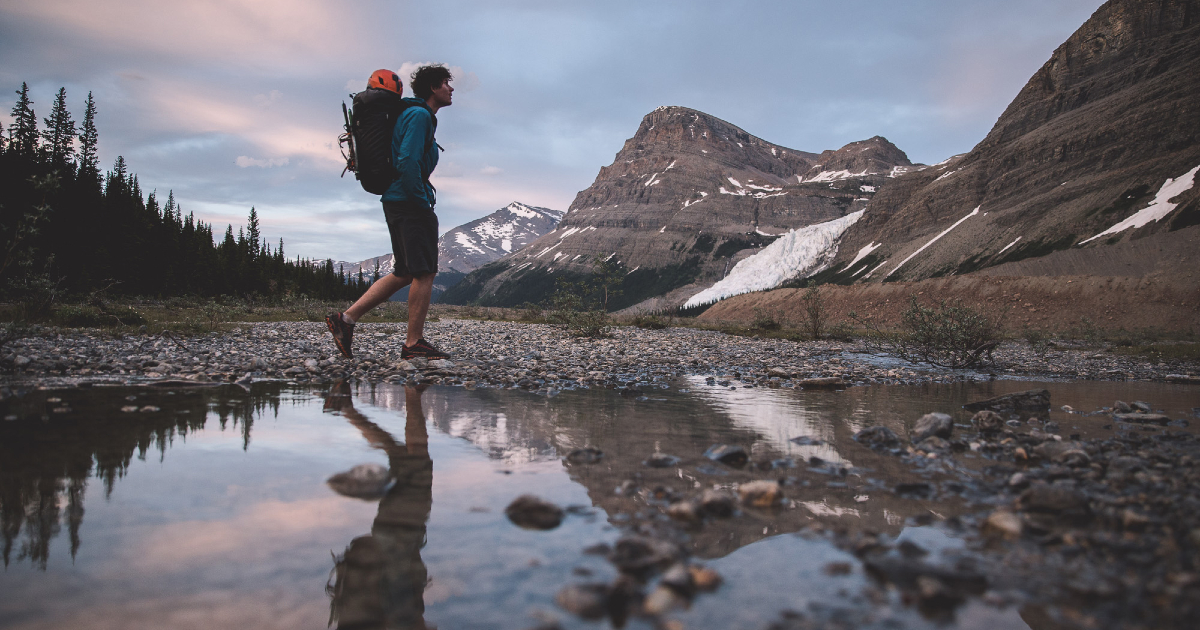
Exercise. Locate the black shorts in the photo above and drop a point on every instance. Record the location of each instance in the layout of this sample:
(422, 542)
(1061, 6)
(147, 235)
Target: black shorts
(414, 231)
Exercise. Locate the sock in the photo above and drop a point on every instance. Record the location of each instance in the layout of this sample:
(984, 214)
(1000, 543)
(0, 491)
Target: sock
(346, 318)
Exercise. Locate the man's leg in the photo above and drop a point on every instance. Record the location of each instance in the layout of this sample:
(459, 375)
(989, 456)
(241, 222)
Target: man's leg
(380, 291)
(419, 296)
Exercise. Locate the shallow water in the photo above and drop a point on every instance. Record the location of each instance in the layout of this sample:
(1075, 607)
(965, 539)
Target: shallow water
(210, 508)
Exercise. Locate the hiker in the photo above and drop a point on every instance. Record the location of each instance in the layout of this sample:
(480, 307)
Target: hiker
(408, 207)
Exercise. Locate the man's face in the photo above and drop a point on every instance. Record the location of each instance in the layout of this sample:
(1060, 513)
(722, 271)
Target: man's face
(442, 95)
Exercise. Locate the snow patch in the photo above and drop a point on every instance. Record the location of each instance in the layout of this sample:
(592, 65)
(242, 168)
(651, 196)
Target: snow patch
(862, 253)
(1159, 208)
(466, 242)
(832, 176)
(934, 240)
(506, 244)
(734, 182)
(523, 211)
(802, 253)
(1009, 245)
(866, 188)
(947, 174)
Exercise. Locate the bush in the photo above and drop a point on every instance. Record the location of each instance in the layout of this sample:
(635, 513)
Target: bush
(764, 320)
(570, 311)
(949, 336)
(92, 316)
(650, 322)
(814, 312)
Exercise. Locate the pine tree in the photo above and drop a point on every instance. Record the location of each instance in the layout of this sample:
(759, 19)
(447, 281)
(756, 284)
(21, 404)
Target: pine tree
(59, 135)
(253, 235)
(89, 165)
(23, 130)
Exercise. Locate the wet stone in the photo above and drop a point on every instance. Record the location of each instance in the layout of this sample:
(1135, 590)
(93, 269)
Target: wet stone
(717, 503)
(877, 438)
(365, 481)
(661, 460)
(1142, 418)
(734, 456)
(587, 455)
(988, 421)
(932, 425)
(530, 512)
(760, 494)
(641, 555)
(1032, 402)
(831, 382)
(589, 601)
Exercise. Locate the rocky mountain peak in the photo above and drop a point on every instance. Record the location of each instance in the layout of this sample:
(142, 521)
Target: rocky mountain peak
(474, 244)
(872, 156)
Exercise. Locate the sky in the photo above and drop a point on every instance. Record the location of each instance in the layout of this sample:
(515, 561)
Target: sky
(237, 103)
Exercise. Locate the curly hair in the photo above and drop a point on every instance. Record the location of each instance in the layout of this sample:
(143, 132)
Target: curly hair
(426, 78)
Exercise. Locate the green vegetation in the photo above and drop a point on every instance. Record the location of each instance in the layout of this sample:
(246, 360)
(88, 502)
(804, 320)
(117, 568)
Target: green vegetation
(949, 335)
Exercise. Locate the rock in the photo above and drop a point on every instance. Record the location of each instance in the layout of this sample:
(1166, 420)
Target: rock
(21, 361)
(294, 370)
(988, 421)
(930, 425)
(805, 440)
(311, 363)
(365, 481)
(441, 364)
(1003, 524)
(1057, 500)
(704, 579)
(1122, 407)
(1140, 406)
(405, 366)
(933, 445)
(641, 555)
(716, 503)
(530, 512)
(917, 489)
(829, 382)
(663, 600)
(877, 437)
(589, 601)
(760, 494)
(586, 455)
(148, 409)
(661, 460)
(129, 408)
(779, 372)
(686, 511)
(1142, 418)
(245, 380)
(1032, 402)
(679, 579)
(734, 456)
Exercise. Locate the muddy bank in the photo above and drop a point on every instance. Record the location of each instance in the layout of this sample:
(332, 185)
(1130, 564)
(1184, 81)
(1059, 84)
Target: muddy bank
(1049, 303)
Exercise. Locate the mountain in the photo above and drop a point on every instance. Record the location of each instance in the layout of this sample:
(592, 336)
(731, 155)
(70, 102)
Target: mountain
(466, 247)
(686, 197)
(1090, 170)
(472, 245)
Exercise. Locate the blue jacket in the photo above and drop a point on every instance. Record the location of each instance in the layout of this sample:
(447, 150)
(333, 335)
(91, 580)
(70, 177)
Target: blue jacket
(414, 130)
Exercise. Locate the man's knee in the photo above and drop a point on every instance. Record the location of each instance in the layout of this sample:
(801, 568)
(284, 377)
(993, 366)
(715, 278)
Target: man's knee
(424, 277)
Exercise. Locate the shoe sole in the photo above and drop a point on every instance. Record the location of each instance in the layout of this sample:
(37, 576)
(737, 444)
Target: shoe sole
(337, 342)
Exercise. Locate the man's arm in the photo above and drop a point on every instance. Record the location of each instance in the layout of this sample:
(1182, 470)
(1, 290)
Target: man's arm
(408, 147)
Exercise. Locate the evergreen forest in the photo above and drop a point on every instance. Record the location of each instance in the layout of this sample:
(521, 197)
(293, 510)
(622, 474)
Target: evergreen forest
(69, 229)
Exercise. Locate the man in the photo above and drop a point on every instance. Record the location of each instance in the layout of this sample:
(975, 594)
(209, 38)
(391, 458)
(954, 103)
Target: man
(408, 207)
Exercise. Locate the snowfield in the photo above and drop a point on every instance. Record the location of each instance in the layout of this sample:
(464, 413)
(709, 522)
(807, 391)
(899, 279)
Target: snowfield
(1159, 208)
(801, 253)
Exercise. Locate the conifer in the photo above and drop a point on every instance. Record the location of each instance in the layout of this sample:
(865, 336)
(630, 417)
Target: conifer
(59, 136)
(89, 165)
(23, 129)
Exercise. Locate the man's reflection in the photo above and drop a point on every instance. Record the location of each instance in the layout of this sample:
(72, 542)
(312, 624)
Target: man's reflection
(380, 579)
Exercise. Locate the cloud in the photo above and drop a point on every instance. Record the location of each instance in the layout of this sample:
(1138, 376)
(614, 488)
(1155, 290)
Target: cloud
(267, 99)
(244, 162)
(463, 81)
(491, 170)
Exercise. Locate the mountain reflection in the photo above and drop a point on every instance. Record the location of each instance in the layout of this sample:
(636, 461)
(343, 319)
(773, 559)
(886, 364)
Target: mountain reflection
(379, 581)
(47, 456)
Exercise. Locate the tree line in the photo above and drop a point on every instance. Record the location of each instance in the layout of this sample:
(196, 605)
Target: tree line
(66, 228)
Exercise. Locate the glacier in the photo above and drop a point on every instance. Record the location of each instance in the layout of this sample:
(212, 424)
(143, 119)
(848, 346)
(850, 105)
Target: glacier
(798, 253)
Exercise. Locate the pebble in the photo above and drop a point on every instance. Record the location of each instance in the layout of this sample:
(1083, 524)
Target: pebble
(932, 425)
(735, 456)
(760, 494)
(530, 512)
(505, 354)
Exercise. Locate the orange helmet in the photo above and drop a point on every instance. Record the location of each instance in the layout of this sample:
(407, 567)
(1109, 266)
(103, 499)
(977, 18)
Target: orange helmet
(387, 80)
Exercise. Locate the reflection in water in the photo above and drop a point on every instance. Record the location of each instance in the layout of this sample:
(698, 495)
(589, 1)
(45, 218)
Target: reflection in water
(380, 579)
(46, 457)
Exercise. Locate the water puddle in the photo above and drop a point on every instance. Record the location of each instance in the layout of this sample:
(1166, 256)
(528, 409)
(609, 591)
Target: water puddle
(210, 507)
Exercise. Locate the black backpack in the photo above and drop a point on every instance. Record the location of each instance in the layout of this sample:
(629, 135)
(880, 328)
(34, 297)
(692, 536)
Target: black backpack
(367, 142)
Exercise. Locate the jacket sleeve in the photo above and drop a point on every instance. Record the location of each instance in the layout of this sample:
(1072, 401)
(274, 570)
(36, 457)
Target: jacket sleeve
(408, 146)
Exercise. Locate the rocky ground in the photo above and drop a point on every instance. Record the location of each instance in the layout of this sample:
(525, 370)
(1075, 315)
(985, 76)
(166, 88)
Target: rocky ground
(507, 354)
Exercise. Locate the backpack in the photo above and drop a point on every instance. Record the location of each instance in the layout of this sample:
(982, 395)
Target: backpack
(367, 142)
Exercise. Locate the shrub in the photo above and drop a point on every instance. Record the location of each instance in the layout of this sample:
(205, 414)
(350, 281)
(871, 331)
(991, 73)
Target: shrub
(814, 312)
(571, 312)
(764, 320)
(949, 336)
(650, 322)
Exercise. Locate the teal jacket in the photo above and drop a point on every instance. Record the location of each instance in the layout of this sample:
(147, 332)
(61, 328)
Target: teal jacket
(414, 164)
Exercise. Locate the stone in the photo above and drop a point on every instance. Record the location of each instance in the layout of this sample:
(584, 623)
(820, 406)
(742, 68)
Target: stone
(1140, 406)
(933, 445)
(1121, 406)
(661, 460)
(805, 440)
(734, 456)
(778, 372)
(1003, 524)
(760, 494)
(679, 579)
(441, 364)
(1031, 402)
(589, 601)
(586, 455)
(642, 555)
(704, 579)
(988, 421)
(931, 425)
(877, 437)
(1055, 500)
(294, 370)
(685, 511)
(716, 503)
(365, 481)
(1142, 418)
(530, 512)
(829, 382)
(21, 361)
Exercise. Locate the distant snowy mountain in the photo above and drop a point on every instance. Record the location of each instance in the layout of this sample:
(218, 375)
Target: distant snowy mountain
(471, 245)
(475, 244)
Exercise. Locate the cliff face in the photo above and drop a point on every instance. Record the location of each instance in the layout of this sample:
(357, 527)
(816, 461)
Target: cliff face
(471, 245)
(687, 195)
(1093, 138)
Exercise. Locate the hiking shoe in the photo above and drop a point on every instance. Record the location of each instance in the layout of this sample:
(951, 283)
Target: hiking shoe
(422, 349)
(343, 333)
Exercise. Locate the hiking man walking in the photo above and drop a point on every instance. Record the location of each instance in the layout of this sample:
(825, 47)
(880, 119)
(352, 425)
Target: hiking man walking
(408, 207)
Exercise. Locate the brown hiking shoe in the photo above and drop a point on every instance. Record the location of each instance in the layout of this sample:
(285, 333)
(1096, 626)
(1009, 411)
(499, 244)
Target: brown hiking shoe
(422, 349)
(343, 333)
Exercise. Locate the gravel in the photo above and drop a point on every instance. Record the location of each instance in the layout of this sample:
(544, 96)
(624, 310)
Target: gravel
(531, 356)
